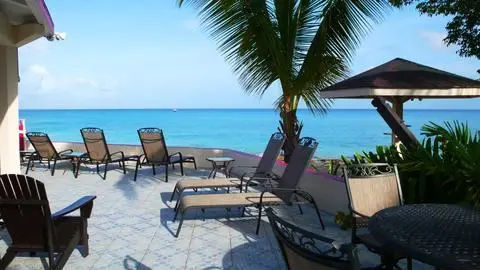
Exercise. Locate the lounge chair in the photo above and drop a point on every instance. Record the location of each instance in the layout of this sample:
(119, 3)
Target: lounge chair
(262, 172)
(98, 153)
(44, 150)
(302, 249)
(26, 212)
(371, 188)
(156, 152)
(283, 193)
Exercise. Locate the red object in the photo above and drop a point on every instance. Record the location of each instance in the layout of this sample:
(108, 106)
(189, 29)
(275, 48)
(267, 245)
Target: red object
(21, 135)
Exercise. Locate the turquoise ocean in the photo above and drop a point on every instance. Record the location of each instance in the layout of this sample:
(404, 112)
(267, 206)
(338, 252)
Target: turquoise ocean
(340, 132)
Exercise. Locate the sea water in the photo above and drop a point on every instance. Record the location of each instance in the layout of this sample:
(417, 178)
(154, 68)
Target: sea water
(340, 132)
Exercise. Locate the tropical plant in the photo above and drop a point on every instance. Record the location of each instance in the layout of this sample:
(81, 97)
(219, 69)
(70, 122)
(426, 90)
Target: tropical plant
(445, 168)
(303, 45)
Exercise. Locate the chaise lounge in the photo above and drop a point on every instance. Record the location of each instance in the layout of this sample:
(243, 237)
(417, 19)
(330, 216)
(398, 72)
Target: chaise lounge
(45, 150)
(261, 173)
(283, 193)
(156, 152)
(98, 152)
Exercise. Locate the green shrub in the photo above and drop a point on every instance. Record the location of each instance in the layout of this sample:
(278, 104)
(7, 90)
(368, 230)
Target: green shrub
(444, 168)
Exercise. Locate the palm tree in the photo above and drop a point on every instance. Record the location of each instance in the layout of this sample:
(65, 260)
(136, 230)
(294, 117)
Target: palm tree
(304, 45)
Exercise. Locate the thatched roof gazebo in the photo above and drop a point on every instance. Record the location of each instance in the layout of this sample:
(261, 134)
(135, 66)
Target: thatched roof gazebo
(398, 81)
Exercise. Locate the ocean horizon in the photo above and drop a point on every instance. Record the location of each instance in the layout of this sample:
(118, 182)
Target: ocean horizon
(339, 132)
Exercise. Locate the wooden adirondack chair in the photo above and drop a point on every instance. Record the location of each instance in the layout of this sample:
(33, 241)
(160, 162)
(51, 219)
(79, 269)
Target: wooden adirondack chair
(26, 212)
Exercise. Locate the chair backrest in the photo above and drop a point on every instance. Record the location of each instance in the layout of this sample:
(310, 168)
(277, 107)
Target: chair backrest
(153, 144)
(25, 211)
(372, 187)
(302, 249)
(269, 157)
(95, 143)
(42, 145)
(301, 156)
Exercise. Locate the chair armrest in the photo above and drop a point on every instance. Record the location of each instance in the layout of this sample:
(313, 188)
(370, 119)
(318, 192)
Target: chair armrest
(358, 213)
(240, 166)
(65, 151)
(119, 152)
(85, 205)
(177, 153)
(267, 177)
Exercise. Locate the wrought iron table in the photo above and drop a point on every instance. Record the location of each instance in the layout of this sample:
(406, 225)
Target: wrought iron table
(219, 164)
(76, 158)
(446, 236)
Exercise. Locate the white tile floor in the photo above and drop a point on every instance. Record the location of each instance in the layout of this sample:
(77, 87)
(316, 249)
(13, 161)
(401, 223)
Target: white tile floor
(131, 227)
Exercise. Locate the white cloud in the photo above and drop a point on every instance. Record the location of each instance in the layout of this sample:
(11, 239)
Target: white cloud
(38, 79)
(434, 39)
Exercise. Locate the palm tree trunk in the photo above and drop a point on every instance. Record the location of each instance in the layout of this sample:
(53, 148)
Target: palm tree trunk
(289, 128)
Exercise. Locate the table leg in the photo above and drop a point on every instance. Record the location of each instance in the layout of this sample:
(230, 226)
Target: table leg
(212, 171)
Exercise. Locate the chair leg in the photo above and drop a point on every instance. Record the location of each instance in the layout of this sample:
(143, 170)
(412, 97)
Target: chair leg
(136, 170)
(105, 171)
(259, 219)
(173, 166)
(30, 160)
(153, 168)
(53, 167)
(48, 163)
(166, 173)
(409, 263)
(123, 165)
(181, 167)
(173, 193)
(62, 260)
(194, 164)
(179, 224)
(318, 214)
(7, 259)
(84, 238)
(98, 168)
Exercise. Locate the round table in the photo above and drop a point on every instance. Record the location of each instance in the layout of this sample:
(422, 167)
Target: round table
(219, 163)
(446, 236)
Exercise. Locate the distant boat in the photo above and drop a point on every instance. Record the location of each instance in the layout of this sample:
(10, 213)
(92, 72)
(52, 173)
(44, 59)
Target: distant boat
(174, 110)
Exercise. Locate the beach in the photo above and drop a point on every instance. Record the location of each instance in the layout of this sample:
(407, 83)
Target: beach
(340, 132)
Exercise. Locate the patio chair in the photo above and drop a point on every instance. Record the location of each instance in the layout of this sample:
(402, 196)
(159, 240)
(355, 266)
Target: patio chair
(26, 212)
(285, 192)
(44, 150)
(371, 188)
(98, 153)
(156, 152)
(262, 172)
(302, 249)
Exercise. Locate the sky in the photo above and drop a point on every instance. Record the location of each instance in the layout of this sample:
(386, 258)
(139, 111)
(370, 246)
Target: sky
(152, 54)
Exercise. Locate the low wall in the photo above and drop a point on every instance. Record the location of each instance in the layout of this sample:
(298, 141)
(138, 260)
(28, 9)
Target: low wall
(328, 191)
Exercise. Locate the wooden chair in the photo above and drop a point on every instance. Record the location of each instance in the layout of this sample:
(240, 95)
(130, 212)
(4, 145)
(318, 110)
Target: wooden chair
(156, 152)
(98, 152)
(371, 188)
(44, 150)
(302, 249)
(26, 212)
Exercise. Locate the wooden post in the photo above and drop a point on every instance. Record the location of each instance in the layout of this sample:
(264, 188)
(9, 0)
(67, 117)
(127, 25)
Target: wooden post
(394, 122)
(397, 106)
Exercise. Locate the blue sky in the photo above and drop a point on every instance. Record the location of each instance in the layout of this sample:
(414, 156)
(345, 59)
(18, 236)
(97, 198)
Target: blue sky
(153, 54)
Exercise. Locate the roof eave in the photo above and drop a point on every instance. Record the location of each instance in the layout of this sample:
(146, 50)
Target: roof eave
(413, 93)
(42, 15)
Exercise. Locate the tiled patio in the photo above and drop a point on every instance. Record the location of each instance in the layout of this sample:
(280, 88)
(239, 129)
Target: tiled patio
(131, 227)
